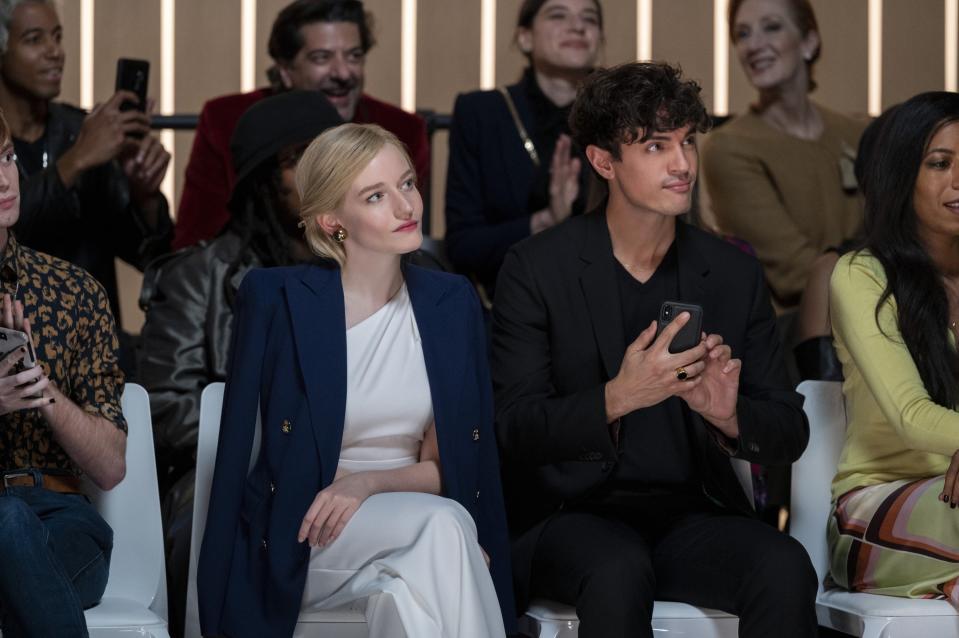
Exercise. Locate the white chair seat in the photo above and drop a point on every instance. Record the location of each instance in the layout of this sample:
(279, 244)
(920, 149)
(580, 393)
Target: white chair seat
(120, 612)
(549, 619)
(875, 605)
(352, 613)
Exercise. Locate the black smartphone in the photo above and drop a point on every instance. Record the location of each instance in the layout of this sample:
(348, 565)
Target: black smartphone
(133, 75)
(690, 334)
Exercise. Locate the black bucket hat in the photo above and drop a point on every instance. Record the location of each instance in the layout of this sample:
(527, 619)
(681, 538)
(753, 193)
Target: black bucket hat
(291, 118)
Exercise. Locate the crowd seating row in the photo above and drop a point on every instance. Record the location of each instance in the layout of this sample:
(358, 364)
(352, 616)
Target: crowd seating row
(135, 597)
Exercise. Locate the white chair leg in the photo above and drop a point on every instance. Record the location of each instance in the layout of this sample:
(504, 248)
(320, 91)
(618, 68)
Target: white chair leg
(875, 627)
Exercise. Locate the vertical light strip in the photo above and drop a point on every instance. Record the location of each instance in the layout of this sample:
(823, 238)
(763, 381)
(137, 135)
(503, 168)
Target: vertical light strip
(720, 58)
(952, 45)
(644, 29)
(875, 57)
(408, 56)
(487, 44)
(248, 46)
(167, 102)
(86, 54)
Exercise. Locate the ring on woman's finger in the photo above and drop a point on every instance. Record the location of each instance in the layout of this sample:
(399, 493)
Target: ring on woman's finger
(681, 373)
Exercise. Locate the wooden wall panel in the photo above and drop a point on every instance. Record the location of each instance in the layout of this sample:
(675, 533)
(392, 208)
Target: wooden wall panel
(913, 52)
(509, 61)
(683, 35)
(125, 29)
(266, 11)
(619, 27)
(842, 72)
(383, 62)
(447, 63)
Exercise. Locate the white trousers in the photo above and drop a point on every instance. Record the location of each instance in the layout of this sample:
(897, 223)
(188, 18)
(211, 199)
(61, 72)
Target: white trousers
(416, 558)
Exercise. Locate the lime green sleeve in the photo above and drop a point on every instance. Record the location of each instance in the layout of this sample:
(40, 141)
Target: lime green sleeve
(883, 360)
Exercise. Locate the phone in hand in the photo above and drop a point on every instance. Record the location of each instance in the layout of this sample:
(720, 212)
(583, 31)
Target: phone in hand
(10, 340)
(133, 75)
(690, 334)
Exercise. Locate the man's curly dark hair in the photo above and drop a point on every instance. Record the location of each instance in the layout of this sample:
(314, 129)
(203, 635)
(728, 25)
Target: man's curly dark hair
(633, 101)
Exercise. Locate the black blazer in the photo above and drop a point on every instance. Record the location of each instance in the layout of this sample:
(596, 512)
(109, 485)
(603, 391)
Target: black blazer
(558, 338)
(488, 181)
(289, 358)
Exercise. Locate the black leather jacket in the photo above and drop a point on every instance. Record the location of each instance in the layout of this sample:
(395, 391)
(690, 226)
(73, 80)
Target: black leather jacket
(94, 221)
(188, 299)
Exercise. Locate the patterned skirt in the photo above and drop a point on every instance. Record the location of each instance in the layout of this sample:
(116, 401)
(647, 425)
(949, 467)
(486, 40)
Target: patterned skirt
(896, 539)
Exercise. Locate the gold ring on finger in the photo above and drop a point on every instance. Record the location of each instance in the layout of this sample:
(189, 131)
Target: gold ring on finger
(681, 373)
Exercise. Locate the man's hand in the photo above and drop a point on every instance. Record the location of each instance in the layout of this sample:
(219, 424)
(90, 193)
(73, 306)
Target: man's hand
(648, 373)
(145, 169)
(715, 397)
(105, 134)
(332, 509)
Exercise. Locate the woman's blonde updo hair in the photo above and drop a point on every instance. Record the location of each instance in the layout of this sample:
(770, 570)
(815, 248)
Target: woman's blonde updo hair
(327, 169)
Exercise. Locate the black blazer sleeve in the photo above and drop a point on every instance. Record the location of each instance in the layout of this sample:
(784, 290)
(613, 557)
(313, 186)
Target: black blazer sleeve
(773, 429)
(477, 236)
(536, 423)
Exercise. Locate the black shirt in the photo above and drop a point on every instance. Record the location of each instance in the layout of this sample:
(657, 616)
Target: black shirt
(655, 451)
(30, 155)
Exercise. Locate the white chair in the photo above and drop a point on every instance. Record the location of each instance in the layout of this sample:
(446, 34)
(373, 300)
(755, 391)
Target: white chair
(866, 615)
(134, 603)
(548, 619)
(346, 622)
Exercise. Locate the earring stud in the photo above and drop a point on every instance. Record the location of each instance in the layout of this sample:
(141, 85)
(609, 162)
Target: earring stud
(339, 235)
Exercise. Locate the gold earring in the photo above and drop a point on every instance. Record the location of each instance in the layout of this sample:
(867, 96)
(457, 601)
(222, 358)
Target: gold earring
(339, 235)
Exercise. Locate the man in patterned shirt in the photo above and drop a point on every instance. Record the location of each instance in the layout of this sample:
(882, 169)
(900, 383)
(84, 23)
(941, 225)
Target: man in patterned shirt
(58, 420)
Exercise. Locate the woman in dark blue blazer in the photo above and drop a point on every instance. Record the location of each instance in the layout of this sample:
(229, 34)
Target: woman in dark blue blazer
(512, 168)
(372, 387)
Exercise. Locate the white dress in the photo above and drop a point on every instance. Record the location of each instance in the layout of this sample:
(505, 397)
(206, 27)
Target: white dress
(413, 556)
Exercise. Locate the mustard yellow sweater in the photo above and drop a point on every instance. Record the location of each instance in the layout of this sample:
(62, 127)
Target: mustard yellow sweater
(784, 195)
(895, 430)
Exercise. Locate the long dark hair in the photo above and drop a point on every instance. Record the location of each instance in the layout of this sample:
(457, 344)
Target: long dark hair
(256, 218)
(892, 236)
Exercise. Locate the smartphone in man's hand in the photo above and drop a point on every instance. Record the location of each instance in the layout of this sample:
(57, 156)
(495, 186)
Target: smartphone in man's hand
(133, 75)
(690, 334)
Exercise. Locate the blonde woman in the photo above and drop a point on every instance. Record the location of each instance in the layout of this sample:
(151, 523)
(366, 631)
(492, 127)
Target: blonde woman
(377, 474)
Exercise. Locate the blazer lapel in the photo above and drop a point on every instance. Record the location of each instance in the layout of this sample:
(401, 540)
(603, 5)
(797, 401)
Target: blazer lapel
(445, 348)
(315, 301)
(598, 282)
(693, 270)
(693, 275)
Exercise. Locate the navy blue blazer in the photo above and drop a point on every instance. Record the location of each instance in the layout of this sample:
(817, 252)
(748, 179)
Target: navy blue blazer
(289, 354)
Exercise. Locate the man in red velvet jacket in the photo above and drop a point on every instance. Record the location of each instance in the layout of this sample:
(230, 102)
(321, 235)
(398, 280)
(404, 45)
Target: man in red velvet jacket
(315, 44)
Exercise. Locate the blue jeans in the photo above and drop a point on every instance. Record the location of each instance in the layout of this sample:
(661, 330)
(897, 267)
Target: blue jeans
(54, 561)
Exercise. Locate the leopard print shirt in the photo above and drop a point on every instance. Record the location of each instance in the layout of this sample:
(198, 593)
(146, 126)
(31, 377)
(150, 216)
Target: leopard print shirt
(76, 343)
